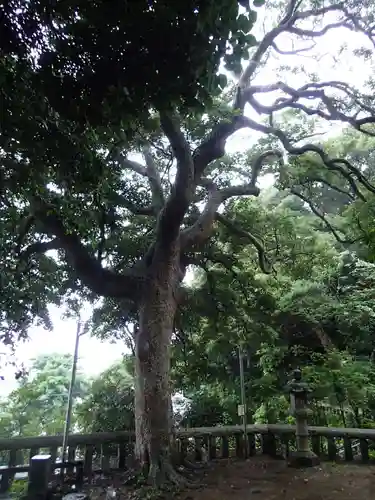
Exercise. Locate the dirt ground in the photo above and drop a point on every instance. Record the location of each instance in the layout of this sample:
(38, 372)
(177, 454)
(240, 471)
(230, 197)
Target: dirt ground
(262, 479)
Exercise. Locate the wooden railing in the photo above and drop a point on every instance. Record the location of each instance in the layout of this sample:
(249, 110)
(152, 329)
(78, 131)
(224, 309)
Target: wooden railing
(103, 452)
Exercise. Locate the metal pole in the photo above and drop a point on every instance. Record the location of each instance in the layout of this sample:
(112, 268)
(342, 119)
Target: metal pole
(70, 395)
(249, 386)
(243, 399)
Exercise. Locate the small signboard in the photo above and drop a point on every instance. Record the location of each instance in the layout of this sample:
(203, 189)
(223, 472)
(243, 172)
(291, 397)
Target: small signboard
(241, 410)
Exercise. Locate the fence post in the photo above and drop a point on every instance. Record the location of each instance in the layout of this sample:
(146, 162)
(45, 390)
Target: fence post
(39, 476)
(299, 390)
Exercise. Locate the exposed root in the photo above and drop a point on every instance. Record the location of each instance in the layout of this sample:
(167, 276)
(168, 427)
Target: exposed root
(194, 466)
(164, 473)
(174, 477)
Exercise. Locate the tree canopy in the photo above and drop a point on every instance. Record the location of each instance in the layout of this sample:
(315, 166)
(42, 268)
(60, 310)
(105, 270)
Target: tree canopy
(92, 191)
(99, 63)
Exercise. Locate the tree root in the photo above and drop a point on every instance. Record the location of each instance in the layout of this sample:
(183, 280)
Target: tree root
(164, 473)
(194, 466)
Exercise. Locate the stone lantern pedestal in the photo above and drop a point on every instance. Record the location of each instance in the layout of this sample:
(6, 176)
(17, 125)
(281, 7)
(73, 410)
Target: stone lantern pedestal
(304, 456)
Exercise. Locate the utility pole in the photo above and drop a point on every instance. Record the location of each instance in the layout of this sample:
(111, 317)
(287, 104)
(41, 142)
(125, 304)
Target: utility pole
(243, 400)
(68, 417)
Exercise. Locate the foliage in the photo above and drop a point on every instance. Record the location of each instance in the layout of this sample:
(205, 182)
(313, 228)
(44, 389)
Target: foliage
(209, 406)
(18, 489)
(315, 311)
(109, 406)
(38, 405)
(345, 383)
(132, 73)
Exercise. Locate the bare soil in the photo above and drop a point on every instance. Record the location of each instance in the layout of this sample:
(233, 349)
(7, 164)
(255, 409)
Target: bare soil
(261, 478)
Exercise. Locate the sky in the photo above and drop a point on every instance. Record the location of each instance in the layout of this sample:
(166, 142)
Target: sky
(94, 355)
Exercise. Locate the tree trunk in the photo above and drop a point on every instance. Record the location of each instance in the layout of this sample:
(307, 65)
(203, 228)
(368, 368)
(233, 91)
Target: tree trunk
(152, 366)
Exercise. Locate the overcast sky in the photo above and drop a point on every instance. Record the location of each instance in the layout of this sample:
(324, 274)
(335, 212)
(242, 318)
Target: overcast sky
(95, 356)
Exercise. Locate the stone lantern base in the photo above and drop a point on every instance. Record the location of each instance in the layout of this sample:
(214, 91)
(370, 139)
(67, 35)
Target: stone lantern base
(301, 459)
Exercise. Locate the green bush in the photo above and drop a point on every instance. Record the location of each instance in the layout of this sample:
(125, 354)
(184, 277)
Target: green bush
(18, 488)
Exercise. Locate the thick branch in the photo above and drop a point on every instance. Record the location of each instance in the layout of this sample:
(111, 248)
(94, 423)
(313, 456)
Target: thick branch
(264, 263)
(154, 179)
(88, 269)
(122, 201)
(149, 171)
(201, 229)
(102, 225)
(182, 191)
(213, 147)
(132, 165)
(24, 228)
(136, 210)
(39, 247)
(340, 165)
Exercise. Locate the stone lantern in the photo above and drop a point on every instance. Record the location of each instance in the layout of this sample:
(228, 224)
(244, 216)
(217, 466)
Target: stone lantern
(299, 391)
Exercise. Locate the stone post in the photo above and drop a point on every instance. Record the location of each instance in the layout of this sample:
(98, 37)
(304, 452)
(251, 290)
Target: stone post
(299, 391)
(39, 477)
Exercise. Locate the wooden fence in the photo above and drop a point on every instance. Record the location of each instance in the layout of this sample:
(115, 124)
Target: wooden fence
(105, 452)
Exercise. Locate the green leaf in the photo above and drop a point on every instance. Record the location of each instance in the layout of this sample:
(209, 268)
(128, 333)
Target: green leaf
(222, 81)
(251, 40)
(253, 16)
(243, 23)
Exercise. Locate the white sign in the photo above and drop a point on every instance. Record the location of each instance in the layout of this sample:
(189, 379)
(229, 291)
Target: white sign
(241, 410)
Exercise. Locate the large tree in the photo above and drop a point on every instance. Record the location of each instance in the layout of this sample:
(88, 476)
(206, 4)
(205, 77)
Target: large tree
(123, 230)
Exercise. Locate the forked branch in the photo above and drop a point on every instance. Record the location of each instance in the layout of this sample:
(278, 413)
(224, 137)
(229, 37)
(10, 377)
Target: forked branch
(191, 168)
(201, 229)
(150, 171)
(183, 188)
(340, 165)
(213, 146)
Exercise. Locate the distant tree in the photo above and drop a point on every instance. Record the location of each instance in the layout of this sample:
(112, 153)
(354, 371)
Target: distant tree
(109, 405)
(38, 405)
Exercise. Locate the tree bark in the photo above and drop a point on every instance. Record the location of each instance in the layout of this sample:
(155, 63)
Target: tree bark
(152, 396)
